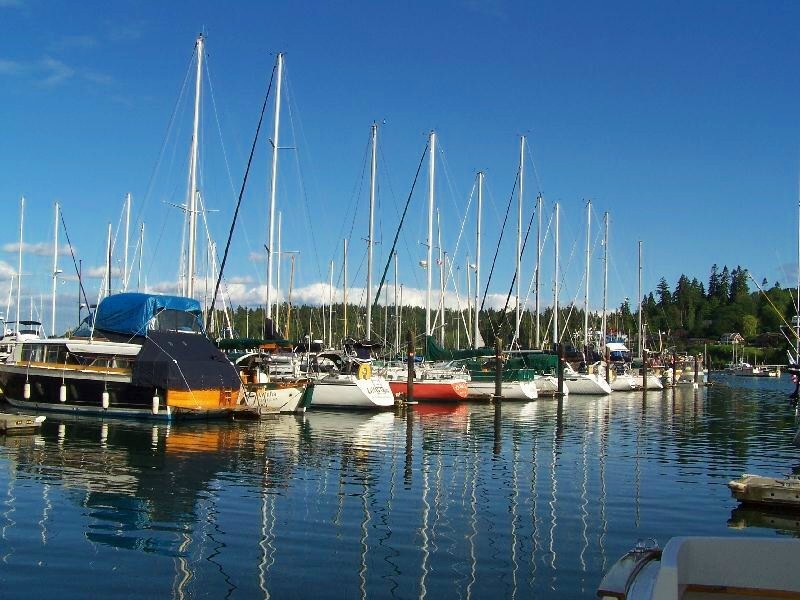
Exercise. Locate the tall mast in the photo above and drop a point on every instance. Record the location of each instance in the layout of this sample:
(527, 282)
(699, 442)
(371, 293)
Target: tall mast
(440, 260)
(273, 181)
(538, 264)
(586, 291)
(344, 288)
(278, 258)
(797, 312)
(193, 173)
(19, 261)
(372, 177)
(641, 347)
(518, 267)
(396, 307)
(330, 308)
(605, 281)
(141, 252)
(555, 283)
(127, 232)
(108, 261)
(55, 273)
(468, 276)
(476, 331)
(428, 266)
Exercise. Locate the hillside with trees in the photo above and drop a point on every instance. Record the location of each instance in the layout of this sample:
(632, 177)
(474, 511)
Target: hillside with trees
(690, 316)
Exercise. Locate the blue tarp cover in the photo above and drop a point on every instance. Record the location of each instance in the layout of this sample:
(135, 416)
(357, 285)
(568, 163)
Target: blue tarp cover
(129, 313)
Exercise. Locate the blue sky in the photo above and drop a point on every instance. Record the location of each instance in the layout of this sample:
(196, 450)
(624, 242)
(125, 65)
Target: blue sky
(680, 119)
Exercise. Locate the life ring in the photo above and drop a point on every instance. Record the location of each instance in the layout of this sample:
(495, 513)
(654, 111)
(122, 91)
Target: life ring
(364, 371)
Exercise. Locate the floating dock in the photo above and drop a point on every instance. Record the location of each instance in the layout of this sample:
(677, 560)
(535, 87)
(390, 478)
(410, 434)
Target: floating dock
(13, 424)
(755, 489)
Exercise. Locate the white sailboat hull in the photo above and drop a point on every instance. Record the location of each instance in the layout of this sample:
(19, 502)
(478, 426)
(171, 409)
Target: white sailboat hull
(626, 383)
(588, 384)
(348, 391)
(511, 390)
(547, 385)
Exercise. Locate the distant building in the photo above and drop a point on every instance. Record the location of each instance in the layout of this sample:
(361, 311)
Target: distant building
(731, 338)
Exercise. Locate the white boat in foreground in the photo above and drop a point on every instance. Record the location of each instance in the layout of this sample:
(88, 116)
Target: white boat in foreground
(342, 381)
(694, 568)
(585, 383)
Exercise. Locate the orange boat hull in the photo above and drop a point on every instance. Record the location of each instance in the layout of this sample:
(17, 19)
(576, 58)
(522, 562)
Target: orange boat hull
(433, 390)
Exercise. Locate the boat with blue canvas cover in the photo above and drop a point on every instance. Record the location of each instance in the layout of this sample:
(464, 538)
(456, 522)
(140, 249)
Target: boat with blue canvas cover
(139, 355)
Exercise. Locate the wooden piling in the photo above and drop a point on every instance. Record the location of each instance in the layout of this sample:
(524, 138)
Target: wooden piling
(644, 371)
(410, 365)
(560, 370)
(696, 371)
(498, 369)
(608, 366)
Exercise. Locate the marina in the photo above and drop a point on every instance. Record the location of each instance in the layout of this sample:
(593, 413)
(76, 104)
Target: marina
(513, 499)
(435, 300)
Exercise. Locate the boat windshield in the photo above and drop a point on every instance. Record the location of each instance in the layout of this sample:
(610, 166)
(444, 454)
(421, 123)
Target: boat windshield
(176, 320)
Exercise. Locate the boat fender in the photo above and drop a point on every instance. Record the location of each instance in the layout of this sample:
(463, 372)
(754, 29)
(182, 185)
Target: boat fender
(26, 391)
(156, 401)
(62, 393)
(105, 400)
(364, 371)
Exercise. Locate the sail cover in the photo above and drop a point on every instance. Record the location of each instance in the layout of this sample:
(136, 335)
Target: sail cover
(134, 313)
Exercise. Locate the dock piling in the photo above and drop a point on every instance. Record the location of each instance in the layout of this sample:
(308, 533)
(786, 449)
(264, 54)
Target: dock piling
(410, 365)
(498, 369)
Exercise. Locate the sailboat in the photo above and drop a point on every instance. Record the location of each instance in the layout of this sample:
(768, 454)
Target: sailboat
(137, 355)
(338, 378)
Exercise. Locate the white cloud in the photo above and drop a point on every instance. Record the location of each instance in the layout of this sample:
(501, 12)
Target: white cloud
(257, 257)
(10, 67)
(38, 248)
(100, 272)
(55, 71)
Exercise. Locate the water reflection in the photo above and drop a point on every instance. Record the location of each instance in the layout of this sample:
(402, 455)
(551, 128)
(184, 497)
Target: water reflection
(467, 500)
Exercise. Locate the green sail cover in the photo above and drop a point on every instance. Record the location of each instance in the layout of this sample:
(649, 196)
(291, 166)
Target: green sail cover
(434, 352)
(539, 362)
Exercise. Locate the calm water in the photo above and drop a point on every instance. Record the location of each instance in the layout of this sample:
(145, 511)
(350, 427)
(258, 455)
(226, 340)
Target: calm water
(524, 500)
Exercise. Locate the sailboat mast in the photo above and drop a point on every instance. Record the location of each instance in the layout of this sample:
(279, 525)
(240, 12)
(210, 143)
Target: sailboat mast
(640, 300)
(55, 273)
(273, 181)
(330, 309)
(19, 261)
(108, 261)
(396, 306)
(797, 311)
(538, 265)
(344, 288)
(127, 233)
(605, 281)
(192, 205)
(440, 260)
(278, 258)
(518, 267)
(372, 177)
(586, 290)
(476, 331)
(468, 324)
(428, 266)
(555, 282)
(141, 252)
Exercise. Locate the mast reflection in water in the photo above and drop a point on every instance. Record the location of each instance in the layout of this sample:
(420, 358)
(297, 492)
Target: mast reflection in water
(437, 501)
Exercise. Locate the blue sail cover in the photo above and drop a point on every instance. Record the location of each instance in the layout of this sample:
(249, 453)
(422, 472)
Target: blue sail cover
(130, 313)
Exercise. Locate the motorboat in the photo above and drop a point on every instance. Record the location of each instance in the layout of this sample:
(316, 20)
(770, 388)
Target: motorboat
(695, 568)
(137, 355)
